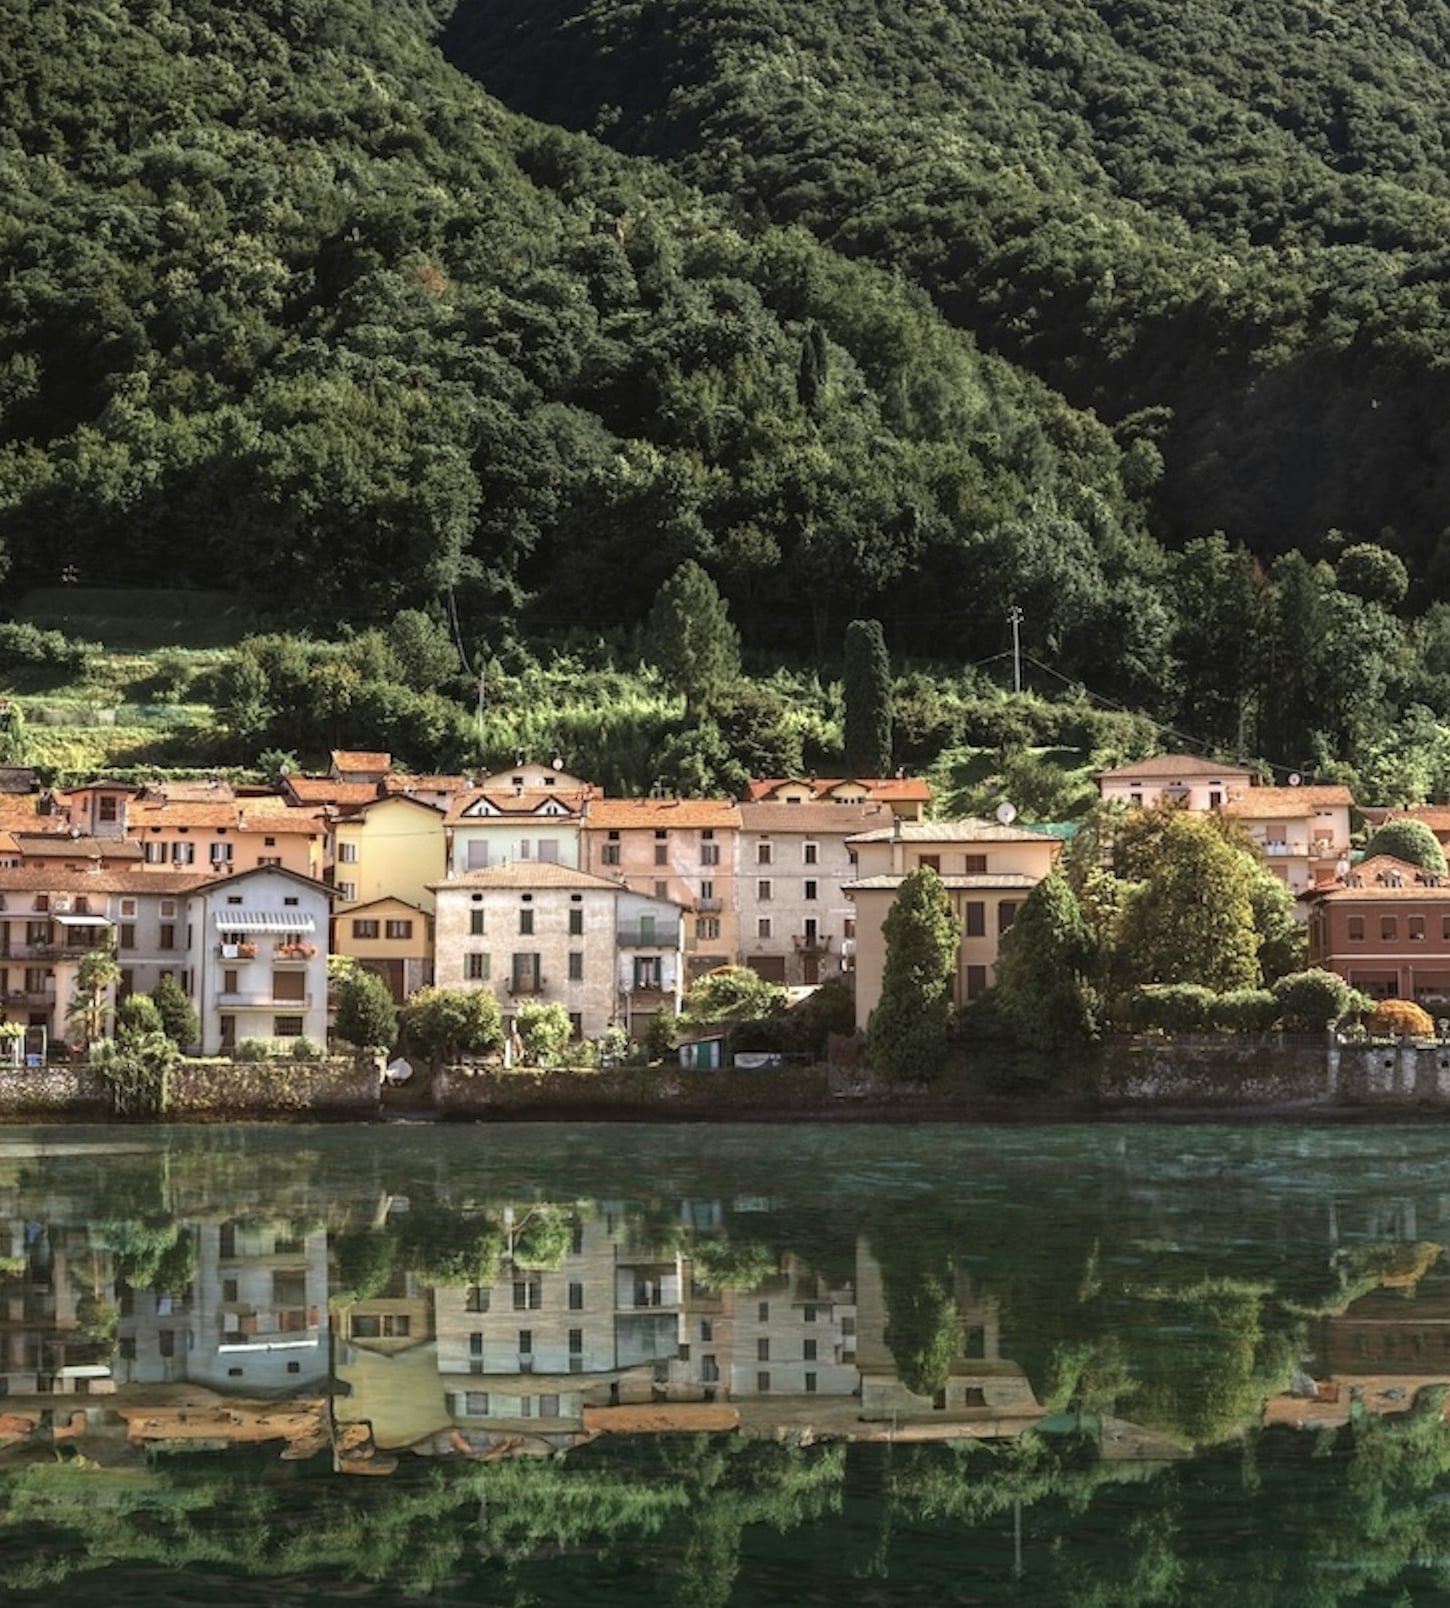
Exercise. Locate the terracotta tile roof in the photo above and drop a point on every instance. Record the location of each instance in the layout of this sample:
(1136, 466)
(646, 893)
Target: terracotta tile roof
(265, 815)
(59, 845)
(1285, 803)
(426, 784)
(323, 790)
(144, 815)
(883, 789)
(1375, 879)
(18, 813)
(819, 820)
(617, 814)
(192, 792)
(361, 759)
(971, 830)
(528, 874)
(1435, 816)
(118, 879)
(509, 803)
(1171, 767)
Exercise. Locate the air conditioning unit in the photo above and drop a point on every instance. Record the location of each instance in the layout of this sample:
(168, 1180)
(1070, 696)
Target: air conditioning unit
(60, 907)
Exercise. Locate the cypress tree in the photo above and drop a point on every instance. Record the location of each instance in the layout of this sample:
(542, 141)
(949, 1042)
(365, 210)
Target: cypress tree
(867, 689)
(692, 639)
(906, 1038)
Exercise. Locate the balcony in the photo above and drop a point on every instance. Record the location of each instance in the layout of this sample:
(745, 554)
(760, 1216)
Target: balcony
(662, 935)
(709, 904)
(263, 999)
(812, 943)
(527, 985)
(236, 951)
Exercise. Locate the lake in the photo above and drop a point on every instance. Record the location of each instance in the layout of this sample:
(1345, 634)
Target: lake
(1100, 1365)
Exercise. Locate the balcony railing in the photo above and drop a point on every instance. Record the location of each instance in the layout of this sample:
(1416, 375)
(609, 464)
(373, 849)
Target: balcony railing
(527, 985)
(1317, 849)
(630, 935)
(711, 903)
(263, 998)
(813, 943)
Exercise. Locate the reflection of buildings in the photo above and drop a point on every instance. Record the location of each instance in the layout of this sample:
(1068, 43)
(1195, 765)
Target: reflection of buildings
(56, 1298)
(253, 1320)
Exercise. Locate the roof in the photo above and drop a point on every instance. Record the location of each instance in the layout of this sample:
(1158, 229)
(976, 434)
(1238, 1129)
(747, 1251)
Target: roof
(1286, 803)
(816, 820)
(193, 791)
(507, 802)
(19, 813)
(529, 874)
(435, 810)
(882, 789)
(62, 845)
(971, 830)
(323, 790)
(1386, 877)
(119, 879)
(1167, 767)
(1435, 816)
(214, 883)
(427, 784)
(618, 814)
(391, 900)
(159, 813)
(952, 882)
(361, 759)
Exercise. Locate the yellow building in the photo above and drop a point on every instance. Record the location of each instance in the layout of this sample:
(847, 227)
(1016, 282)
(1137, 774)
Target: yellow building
(391, 938)
(988, 870)
(392, 847)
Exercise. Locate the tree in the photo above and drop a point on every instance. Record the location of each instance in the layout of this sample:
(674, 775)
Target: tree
(731, 994)
(1191, 920)
(544, 1030)
(692, 639)
(137, 1016)
(906, 1037)
(365, 1012)
(96, 975)
(1411, 841)
(867, 692)
(1043, 966)
(446, 1023)
(1310, 1001)
(178, 1017)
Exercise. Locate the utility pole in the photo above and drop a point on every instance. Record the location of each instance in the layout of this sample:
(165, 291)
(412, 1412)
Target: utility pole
(1014, 619)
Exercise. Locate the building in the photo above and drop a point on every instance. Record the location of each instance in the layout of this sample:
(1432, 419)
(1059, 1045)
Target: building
(390, 938)
(260, 953)
(1303, 831)
(988, 869)
(1187, 779)
(797, 926)
(908, 797)
(490, 825)
(538, 930)
(1385, 929)
(676, 850)
(391, 847)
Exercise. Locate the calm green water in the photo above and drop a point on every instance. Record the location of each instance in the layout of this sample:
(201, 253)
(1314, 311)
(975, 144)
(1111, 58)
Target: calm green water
(1110, 1365)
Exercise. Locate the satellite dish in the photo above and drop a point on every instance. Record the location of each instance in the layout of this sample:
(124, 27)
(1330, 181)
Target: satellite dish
(1295, 778)
(1006, 813)
(558, 762)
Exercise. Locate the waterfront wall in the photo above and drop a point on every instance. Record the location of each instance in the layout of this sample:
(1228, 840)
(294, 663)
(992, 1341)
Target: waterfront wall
(641, 1092)
(202, 1091)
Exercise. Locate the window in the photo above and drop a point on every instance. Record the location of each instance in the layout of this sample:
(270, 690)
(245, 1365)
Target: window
(976, 913)
(974, 865)
(287, 1026)
(291, 899)
(526, 1342)
(762, 1383)
(662, 852)
(347, 890)
(347, 853)
(647, 972)
(576, 923)
(810, 888)
(810, 1384)
(475, 1403)
(763, 853)
(480, 1298)
(1416, 927)
(401, 928)
(476, 966)
(762, 927)
(183, 854)
(154, 853)
(976, 981)
(168, 935)
(366, 928)
(528, 1295)
(808, 1350)
(106, 809)
(707, 927)
(576, 1296)
(707, 1330)
(707, 890)
(576, 965)
(526, 923)
(548, 1406)
(1390, 928)
(475, 923)
(763, 891)
(576, 1341)
(609, 854)
(809, 853)
(1006, 914)
(931, 861)
(381, 1326)
(1356, 928)
(684, 1352)
(763, 1312)
(808, 1314)
(128, 935)
(269, 859)
(271, 843)
(762, 1350)
(128, 907)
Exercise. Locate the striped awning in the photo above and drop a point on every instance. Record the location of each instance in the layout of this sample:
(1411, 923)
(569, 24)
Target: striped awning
(264, 921)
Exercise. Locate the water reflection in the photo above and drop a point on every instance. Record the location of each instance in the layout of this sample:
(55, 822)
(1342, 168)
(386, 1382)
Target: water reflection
(772, 1353)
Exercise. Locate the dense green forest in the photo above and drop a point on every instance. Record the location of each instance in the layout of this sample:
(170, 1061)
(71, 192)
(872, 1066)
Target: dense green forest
(893, 313)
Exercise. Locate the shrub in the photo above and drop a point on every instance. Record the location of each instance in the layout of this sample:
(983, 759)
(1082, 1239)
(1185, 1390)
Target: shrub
(22, 644)
(1402, 1018)
(1172, 1007)
(544, 1030)
(253, 1049)
(1246, 1010)
(306, 1049)
(1310, 1001)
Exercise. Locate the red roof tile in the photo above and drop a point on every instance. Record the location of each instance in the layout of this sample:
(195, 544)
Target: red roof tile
(619, 814)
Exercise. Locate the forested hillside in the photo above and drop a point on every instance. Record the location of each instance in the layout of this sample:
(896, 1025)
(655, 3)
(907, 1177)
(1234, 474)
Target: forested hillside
(1221, 225)
(289, 303)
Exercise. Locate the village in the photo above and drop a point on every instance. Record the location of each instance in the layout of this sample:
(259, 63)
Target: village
(533, 885)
